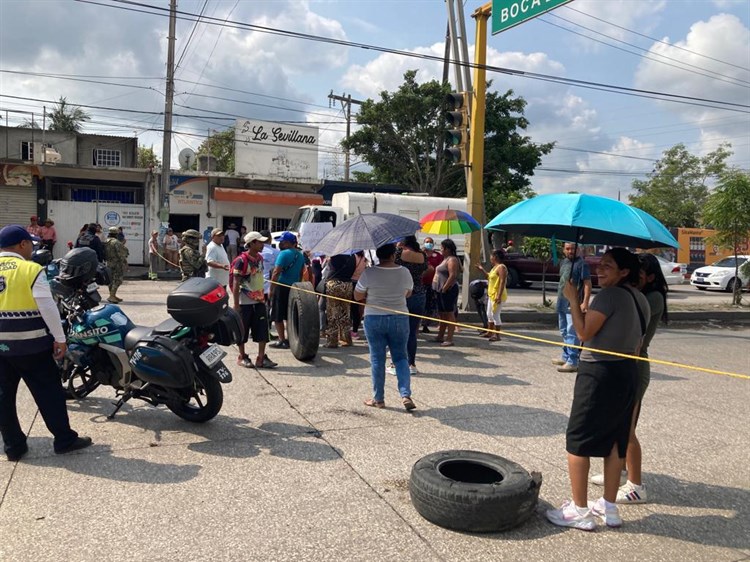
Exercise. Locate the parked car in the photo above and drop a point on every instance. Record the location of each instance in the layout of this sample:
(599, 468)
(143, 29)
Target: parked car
(675, 273)
(720, 275)
(524, 270)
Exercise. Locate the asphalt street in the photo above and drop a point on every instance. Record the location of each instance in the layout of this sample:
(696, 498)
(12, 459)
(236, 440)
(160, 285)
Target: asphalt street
(295, 467)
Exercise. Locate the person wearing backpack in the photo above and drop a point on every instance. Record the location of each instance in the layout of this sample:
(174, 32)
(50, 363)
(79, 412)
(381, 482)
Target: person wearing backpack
(246, 282)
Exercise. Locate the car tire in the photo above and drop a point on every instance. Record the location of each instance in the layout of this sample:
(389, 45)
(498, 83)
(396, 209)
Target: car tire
(514, 278)
(303, 325)
(473, 491)
(732, 284)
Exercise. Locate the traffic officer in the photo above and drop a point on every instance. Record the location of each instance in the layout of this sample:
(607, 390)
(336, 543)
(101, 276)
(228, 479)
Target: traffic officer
(31, 339)
(116, 254)
(192, 263)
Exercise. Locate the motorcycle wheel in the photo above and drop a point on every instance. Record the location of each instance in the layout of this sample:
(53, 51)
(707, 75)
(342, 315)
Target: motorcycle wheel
(78, 382)
(203, 404)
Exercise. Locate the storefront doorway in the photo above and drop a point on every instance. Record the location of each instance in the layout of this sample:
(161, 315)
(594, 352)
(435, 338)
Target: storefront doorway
(180, 223)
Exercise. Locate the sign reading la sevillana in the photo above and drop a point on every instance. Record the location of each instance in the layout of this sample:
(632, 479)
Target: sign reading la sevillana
(276, 150)
(509, 13)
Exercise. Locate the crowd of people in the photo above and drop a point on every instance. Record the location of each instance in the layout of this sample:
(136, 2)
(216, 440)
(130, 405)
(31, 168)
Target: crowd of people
(397, 290)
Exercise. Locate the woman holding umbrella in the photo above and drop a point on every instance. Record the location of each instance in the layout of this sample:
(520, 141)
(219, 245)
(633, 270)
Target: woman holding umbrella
(387, 286)
(605, 389)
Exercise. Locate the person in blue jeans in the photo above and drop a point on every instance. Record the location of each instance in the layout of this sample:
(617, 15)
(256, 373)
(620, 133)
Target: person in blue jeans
(385, 288)
(572, 268)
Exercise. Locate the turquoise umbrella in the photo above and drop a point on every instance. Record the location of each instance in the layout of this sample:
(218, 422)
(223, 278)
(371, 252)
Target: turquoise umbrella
(583, 218)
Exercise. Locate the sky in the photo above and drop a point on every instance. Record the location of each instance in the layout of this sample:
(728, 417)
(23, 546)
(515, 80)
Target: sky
(112, 59)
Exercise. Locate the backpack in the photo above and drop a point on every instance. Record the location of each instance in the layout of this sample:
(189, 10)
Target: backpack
(240, 263)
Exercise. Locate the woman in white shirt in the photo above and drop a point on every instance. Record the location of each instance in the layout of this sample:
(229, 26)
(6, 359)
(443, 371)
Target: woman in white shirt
(385, 288)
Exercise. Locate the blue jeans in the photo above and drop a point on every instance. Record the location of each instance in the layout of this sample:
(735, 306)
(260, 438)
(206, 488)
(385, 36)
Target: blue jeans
(390, 330)
(416, 305)
(568, 332)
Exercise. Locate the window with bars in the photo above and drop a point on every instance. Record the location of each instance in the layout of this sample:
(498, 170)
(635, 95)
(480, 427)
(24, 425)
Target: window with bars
(279, 224)
(260, 223)
(106, 158)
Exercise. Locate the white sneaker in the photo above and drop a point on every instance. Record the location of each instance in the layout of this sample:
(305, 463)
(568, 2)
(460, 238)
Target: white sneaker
(598, 479)
(391, 369)
(631, 493)
(610, 516)
(413, 370)
(570, 516)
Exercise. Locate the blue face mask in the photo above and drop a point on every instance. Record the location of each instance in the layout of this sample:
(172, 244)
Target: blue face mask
(429, 245)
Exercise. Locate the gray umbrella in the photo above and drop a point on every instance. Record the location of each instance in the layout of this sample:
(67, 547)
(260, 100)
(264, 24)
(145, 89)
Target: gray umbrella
(365, 232)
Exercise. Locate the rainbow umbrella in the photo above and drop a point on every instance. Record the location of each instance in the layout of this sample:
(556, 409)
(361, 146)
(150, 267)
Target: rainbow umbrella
(447, 222)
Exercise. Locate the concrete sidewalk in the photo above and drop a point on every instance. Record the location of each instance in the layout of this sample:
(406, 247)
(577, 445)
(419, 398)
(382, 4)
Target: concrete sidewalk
(296, 468)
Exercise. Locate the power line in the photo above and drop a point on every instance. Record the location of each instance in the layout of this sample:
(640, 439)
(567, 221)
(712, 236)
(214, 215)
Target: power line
(89, 81)
(717, 76)
(649, 94)
(190, 37)
(568, 7)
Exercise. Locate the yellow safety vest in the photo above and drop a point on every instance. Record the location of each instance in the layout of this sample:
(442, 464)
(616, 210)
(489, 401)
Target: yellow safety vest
(22, 328)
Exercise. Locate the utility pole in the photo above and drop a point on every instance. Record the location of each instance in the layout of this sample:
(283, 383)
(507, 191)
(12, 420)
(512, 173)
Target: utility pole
(166, 155)
(346, 105)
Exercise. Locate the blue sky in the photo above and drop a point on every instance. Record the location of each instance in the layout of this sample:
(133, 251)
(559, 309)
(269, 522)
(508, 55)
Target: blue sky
(76, 39)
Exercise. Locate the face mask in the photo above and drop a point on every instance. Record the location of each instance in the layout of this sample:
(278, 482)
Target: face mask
(429, 245)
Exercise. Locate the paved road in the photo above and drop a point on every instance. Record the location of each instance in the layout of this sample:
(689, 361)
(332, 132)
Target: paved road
(296, 468)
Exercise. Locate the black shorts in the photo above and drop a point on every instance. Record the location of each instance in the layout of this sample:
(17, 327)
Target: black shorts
(603, 400)
(255, 321)
(446, 302)
(280, 303)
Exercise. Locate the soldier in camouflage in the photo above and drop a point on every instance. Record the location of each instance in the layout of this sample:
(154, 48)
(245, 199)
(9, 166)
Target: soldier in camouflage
(192, 263)
(116, 255)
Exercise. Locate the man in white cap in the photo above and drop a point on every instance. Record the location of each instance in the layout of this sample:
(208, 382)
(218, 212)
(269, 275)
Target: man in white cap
(249, 301)
(217, 258)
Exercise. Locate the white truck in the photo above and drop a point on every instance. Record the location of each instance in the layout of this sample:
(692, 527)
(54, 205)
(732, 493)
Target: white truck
(348, 204)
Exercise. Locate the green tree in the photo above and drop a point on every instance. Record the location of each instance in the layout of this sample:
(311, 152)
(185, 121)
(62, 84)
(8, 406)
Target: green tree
(30, 124)
(541, 249)
(728, 211)
(67, 118)
(220, 145)
(402, 138)
(676, 191)
(147, 158)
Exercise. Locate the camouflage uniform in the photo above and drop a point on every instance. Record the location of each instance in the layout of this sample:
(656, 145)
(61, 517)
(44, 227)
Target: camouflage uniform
(116, 255)
(192, 263)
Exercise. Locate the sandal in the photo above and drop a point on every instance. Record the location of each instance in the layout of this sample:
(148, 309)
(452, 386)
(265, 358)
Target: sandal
(493, 338)
(437, 340)
(408, 403)
(374, 403)
(446, 344)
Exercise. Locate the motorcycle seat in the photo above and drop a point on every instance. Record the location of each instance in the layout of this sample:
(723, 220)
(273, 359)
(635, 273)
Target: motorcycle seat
(140, 332)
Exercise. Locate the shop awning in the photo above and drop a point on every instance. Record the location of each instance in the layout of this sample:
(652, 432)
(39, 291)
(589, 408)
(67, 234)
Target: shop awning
(293, 198)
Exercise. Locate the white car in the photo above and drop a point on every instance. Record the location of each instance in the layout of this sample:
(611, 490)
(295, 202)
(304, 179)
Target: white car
(720, 275)
(673, 272)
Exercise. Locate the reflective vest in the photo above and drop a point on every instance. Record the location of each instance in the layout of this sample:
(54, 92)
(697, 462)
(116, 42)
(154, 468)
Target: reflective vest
(22, 328)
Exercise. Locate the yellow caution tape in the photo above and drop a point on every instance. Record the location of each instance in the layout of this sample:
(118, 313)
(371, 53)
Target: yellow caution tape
(531, 338)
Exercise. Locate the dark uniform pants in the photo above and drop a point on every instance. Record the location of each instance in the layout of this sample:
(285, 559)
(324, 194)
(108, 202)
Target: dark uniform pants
(41, 375)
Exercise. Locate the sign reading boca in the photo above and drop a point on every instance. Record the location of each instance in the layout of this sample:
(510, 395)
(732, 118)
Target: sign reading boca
(509, 13)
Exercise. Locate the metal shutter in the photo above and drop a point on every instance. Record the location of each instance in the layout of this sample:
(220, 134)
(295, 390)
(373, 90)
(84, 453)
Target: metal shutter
(17, 204)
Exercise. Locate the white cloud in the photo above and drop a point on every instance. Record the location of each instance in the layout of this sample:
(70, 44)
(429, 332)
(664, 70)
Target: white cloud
(722, 38)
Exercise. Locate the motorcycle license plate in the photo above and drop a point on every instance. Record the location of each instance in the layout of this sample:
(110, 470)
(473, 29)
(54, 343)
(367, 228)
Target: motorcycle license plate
(212, 355)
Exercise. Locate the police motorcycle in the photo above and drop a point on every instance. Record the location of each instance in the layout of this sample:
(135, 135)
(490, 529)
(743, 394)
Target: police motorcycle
(177, 363)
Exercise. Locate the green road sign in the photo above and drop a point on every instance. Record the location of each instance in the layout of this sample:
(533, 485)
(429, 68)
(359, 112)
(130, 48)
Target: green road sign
(509, 13)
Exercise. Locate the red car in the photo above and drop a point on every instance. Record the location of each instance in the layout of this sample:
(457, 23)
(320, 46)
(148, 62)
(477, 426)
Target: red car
(524, 270)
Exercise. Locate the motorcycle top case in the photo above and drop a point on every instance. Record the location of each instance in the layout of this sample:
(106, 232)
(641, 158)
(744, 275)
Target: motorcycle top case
(227, 330)
(199, 301)
(163, 361)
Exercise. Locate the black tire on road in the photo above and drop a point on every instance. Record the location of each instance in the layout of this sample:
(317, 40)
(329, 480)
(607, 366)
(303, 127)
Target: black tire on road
(514, 278)
(303, 324)
(473, 491)
(204, 402)
(78, 382)
(733, 284)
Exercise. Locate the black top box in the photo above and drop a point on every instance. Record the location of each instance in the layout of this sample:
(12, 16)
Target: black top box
(199, 301)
